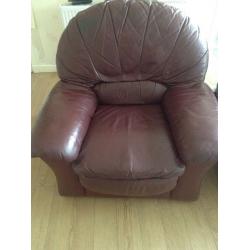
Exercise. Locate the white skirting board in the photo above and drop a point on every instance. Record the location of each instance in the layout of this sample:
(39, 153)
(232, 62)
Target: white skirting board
(44, 68)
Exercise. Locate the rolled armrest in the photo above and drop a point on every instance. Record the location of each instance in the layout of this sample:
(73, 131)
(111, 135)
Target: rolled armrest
(63, 122)
(192, 116)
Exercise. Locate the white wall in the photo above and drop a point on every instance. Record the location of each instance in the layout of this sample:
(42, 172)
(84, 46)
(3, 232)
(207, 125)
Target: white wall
(47, 28)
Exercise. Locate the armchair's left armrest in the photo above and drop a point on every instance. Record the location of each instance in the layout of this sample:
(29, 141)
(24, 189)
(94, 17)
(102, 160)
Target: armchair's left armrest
(63, 122)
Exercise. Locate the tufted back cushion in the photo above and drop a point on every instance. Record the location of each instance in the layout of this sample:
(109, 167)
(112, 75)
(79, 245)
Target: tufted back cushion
(129, 41)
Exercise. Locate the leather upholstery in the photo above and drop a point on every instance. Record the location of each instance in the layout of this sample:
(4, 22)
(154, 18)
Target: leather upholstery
(141, 92)
(135, 40)
(137, 136)
(192, 116)
(63, 122)
(138, 140)
(131, 115)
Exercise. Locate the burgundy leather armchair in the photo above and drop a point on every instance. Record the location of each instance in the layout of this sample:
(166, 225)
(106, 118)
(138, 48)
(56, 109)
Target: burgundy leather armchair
(131, 115)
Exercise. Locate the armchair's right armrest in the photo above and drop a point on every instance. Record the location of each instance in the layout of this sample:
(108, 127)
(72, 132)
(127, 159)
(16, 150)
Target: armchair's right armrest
(63, 122)
(192, 116)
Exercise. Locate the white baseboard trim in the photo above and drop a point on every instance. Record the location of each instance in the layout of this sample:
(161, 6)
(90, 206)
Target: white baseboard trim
(43, 68)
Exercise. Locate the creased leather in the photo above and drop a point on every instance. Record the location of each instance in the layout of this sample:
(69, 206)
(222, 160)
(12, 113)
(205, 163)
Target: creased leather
(137, 188)
(135, 40)
(141, 92)
(144, 62)
(128, 142)
(63, 122)
(192, 116)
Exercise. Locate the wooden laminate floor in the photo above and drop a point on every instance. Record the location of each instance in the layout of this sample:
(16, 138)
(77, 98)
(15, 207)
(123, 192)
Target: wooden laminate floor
(60, 223)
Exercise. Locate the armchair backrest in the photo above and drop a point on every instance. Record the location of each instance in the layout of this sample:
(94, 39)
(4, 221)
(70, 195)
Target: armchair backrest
(136, 45)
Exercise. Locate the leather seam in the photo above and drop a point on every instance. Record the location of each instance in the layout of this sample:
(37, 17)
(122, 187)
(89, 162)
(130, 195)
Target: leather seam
(100, 24)
(182, 27)
(124, 21)
(91, 60)
(190, 67)
(116, 40)
(145, 31)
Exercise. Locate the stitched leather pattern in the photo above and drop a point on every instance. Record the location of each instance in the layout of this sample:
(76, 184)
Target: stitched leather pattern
(132, 40)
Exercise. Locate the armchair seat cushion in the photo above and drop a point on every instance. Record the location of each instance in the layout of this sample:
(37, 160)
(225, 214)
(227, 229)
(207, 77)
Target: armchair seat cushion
(130, 143)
